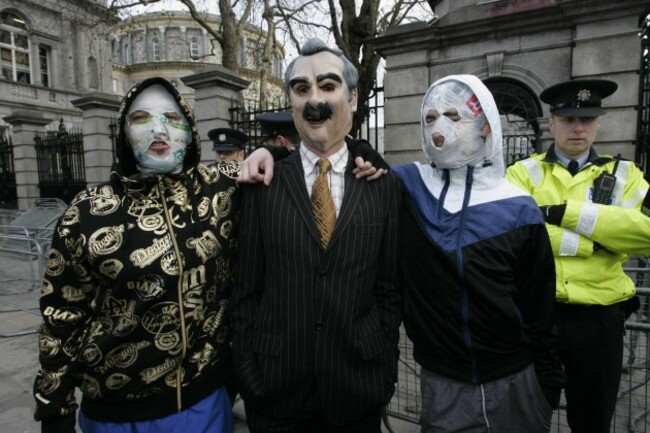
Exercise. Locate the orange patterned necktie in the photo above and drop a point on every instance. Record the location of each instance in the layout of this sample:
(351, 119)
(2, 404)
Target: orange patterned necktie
(322, 202)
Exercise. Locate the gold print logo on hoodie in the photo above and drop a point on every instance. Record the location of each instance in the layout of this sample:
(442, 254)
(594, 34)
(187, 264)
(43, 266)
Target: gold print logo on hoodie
(105, 241)
(104, 203)
(207, 246)
(143, 257)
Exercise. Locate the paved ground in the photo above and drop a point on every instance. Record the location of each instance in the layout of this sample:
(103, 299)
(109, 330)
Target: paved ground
(19, 363)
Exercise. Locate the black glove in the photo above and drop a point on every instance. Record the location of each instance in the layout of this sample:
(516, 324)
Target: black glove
(277, 152)
(553, 214)
(363, 149)
(631, 306)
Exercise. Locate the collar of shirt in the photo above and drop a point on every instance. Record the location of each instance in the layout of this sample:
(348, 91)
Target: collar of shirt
(565, 161)
(339, 160)
(336, 177)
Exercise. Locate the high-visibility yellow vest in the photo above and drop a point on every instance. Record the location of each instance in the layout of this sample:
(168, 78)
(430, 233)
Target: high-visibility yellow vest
(593, 240)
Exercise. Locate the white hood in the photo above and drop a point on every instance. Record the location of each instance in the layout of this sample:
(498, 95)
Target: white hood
(488, 182)
(493, 152)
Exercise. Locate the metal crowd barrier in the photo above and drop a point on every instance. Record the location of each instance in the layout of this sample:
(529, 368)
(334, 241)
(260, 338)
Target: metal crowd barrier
(24, 246)
(632, 411)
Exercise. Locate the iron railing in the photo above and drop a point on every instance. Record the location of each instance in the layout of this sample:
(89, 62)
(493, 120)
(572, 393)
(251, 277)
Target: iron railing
(8, 196)
(243, 118)
(60, 160)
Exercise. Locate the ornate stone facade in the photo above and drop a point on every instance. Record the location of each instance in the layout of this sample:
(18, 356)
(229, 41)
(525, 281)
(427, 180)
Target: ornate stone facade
(173, 45)
(52, 53)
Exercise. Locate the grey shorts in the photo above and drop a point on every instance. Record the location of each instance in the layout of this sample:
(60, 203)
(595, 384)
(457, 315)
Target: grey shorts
(512, 404)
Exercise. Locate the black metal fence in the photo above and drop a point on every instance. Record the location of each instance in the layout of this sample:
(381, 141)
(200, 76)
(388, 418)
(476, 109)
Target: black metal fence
(518, 147)
(243, 118)
(372, 128)
(60, 159)
(8, 196)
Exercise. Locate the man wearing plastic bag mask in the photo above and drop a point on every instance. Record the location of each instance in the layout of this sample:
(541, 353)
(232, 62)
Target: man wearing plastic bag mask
(158, 131)
(478, 274)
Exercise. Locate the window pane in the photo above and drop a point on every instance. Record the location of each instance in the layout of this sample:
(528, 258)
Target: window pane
(22, 60)
(7, 72)
(5, 55)
(5, 37)
(194, 48)
(21, 41)
(23, 77)
(44, 54)
(156, 50)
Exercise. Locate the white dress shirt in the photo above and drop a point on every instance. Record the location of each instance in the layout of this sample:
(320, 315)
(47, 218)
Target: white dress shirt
(339, 161)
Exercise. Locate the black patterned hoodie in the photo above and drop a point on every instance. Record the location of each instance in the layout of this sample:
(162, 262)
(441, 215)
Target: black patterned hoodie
(136, 293)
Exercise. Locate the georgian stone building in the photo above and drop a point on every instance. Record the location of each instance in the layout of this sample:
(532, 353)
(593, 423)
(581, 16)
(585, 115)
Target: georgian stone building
(518, 48)
(52, 52)
(172, 44)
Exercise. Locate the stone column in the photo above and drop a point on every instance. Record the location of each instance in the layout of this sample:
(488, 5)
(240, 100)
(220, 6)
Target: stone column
(130, 52)
(116, 49)
(145, 45)
(184, 54)
(35, 66)
(163, 43)
(25, 126)
(205, 42)
(215, 89)
(99, 111)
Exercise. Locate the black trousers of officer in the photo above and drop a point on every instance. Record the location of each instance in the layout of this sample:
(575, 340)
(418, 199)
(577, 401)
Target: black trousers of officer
(591, 349)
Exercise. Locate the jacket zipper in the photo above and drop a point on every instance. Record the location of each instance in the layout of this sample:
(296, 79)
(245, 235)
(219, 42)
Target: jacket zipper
(179, 290)
(467, 336)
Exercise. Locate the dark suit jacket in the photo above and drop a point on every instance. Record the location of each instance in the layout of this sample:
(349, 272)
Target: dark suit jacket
(307, 318)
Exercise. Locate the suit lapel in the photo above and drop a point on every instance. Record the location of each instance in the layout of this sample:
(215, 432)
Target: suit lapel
(293, 178)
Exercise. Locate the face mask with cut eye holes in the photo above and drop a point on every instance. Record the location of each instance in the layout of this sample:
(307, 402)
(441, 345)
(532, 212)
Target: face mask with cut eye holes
(158, 131)
(453, 139)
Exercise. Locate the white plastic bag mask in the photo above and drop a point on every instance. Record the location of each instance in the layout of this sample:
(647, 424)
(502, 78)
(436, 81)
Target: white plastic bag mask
(158, 131)
(452, 119)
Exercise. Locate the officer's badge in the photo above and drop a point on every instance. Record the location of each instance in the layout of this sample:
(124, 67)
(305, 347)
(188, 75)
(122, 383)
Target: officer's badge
(584, 95)
(222, 137)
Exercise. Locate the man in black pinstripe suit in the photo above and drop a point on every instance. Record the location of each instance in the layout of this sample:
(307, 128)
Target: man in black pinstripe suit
(316, 326)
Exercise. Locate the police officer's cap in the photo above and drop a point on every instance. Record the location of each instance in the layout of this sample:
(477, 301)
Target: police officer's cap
(227, 139)
(278, 123)
(580, 98)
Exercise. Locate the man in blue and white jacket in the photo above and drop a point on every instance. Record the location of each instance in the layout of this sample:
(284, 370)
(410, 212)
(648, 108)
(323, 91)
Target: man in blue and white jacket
(478, 273)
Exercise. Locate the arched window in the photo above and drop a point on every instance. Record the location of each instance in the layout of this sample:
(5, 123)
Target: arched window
(194, 48)
(127, 53)
(44, 62)
(155, 49)
(14, 48)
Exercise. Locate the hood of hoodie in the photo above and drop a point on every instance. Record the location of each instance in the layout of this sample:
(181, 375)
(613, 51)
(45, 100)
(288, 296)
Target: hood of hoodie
(125, 162)
(453, 190)
(491, 159)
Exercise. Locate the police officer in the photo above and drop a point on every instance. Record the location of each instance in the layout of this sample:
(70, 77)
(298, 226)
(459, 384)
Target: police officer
(278, 129)
(596, 209)
(228, 144)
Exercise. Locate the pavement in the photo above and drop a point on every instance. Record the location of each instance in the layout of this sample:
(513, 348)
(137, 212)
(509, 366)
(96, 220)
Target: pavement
(19, 364)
